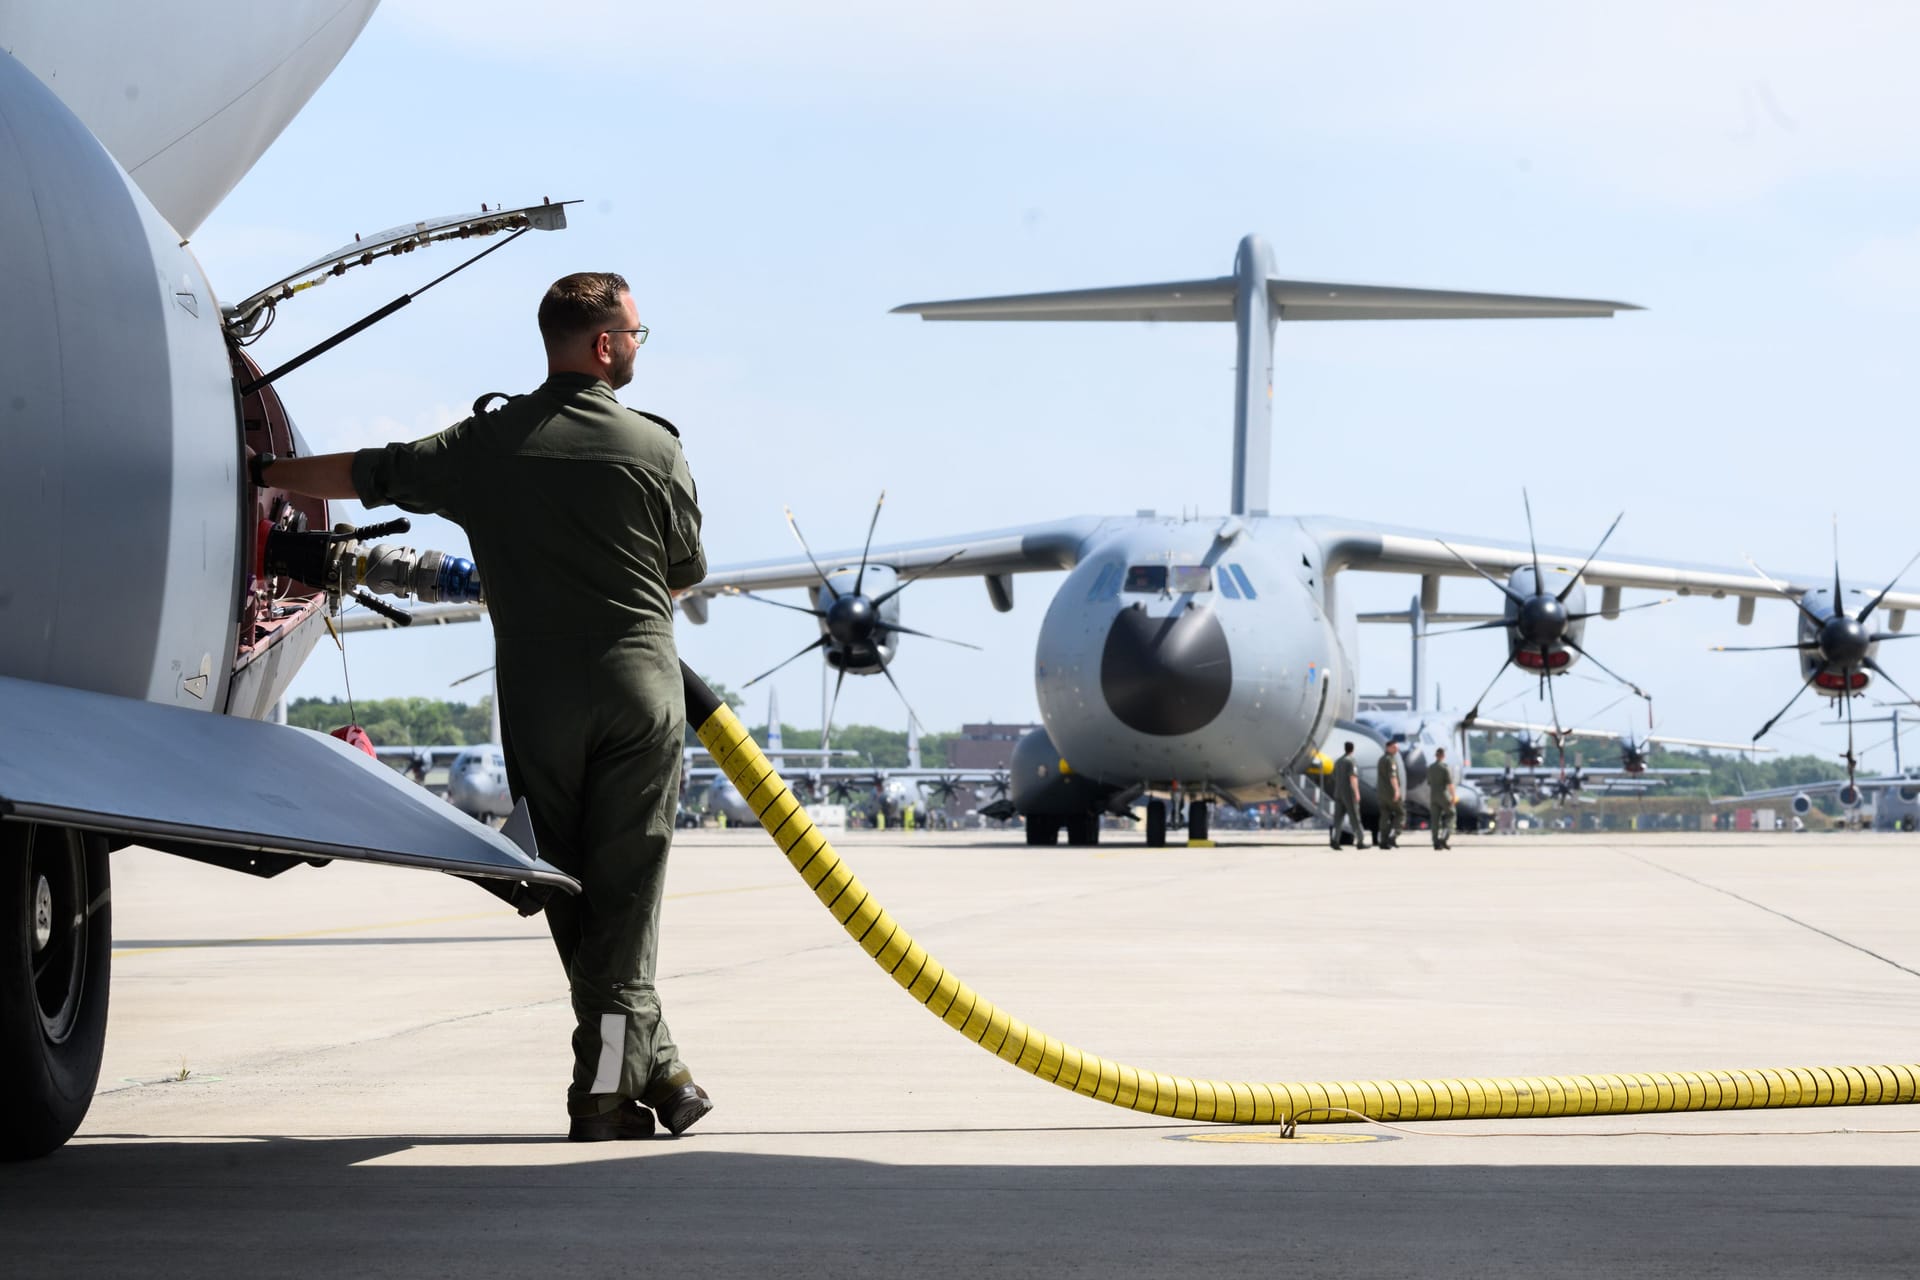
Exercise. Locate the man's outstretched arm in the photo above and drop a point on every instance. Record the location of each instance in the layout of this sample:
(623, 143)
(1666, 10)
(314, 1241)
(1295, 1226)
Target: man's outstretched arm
(325, 475)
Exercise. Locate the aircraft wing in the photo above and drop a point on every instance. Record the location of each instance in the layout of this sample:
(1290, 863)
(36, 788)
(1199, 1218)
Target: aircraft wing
(1829, 787)
(432, 615)
(199, 783)
(433, 755)
(1351, 544)
(1483, 725)
(1023, 549)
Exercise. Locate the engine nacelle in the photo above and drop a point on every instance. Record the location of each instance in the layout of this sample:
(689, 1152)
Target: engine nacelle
(1045, 784)
(121, 493)
(1802, 804)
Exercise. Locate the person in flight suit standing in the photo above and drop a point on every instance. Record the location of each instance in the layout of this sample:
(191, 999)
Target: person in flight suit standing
(584, 520)
(1346, 800)
(1442, 796)
(1391, 794)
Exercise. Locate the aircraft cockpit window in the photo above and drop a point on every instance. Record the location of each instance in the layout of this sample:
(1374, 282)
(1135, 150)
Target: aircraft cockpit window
(1227, 586)
(499, 762)
(1104, 584)
(1246, 587)
(1143, 579)
(1192, 577)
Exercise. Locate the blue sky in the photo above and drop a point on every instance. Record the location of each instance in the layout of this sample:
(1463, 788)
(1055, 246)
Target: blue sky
(773, 178)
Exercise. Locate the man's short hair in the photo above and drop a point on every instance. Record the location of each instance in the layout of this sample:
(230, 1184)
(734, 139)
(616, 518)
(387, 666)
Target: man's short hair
(1349, 748)
(1438, 752)
(581, 304)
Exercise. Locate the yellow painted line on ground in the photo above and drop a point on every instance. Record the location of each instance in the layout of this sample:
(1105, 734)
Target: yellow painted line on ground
(396, 924)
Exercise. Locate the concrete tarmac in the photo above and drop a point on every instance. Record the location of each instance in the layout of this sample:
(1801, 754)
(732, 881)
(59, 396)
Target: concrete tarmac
(362, 1071)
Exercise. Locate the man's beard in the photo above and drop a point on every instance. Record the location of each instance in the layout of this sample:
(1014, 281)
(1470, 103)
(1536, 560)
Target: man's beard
(622, 371)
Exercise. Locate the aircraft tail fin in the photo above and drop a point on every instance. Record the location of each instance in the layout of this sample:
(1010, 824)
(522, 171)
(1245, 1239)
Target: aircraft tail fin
(1255, 300)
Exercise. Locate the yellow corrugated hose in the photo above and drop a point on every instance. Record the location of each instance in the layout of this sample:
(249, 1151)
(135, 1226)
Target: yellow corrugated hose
(1233, 1101)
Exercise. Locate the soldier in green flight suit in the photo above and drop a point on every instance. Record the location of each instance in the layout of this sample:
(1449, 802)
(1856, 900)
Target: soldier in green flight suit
(1346, 800)
(1390, 793)
(584, 520)
(1441, 799)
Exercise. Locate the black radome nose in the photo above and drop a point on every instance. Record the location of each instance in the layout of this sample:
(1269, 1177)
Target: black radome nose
(1166, 676)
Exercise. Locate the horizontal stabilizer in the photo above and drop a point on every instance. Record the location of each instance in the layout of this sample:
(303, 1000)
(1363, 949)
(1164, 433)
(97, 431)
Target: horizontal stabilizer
(1290, 300)
(196, 780)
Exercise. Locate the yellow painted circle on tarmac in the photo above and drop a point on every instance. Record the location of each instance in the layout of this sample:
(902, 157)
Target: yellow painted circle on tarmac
(1273, 1137)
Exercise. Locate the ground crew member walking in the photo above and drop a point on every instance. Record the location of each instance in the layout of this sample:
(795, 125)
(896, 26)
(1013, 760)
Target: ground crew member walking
(1390, 792)
(1346, 800)
(584, 519)
(1442, 797)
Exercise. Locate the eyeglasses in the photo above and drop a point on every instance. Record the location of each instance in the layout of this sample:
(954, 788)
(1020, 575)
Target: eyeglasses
(639, 335)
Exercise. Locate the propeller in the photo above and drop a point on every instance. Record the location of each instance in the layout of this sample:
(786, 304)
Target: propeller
(853, 630)
(1838, 644)
(1540, 623)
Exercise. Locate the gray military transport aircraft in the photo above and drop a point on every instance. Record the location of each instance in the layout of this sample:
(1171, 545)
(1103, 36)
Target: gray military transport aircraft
(1210, 658)
(154, 604)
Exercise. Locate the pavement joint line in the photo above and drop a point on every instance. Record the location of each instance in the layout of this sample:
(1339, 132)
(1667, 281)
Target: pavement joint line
(1772, 911)
(211, 943)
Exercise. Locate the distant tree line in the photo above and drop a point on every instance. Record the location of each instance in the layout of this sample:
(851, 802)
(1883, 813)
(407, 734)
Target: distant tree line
(400, 722)
(421, 722)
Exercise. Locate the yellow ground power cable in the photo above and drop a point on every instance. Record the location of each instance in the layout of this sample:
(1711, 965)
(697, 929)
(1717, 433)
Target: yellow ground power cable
(1234, 1101)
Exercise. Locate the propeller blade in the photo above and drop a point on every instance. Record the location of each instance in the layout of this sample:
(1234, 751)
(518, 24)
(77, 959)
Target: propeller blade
(475, 675)
(1503, 588)
(1466, 721)
(1881, 671)
(1836, 563)
(826, 730)
(1478, 626)
(1595, 613)
(1875, 602)
(821, 643)
(1609, 670)
(904, 583)
(1780, 590)
(1553, 701)
(1852, 759)
(801, 538)
(1568, 589)
(860, 579)
(778, 604)
(909, 631)
(1878, 636)
(1539, 583)
(912, 715)
(1805, 646)
(1782, 711)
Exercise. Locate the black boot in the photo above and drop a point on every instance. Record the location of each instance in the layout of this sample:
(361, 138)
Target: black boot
(627, 1121)
(686, 1104)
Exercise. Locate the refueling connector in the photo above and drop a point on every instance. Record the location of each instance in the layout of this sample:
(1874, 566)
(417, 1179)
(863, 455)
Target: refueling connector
(342, 562)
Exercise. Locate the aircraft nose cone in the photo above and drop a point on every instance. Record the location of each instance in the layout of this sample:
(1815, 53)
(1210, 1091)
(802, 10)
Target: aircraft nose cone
(1166, 676)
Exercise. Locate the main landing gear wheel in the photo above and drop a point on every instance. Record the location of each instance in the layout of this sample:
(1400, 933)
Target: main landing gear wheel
(56, 940)
(1042, 830)
(1156, 824)
(1084, 830)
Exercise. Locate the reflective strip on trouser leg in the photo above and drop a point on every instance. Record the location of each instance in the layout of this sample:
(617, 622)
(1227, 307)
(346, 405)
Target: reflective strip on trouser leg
(613, 1051)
